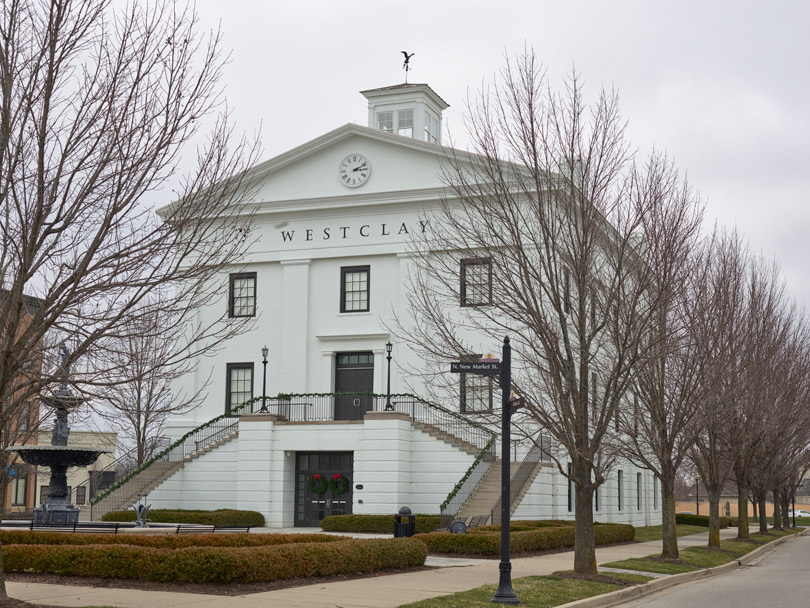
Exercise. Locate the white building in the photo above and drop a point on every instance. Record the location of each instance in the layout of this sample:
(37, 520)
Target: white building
(324, 281)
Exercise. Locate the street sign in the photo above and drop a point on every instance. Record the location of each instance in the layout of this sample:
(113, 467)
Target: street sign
(483, 367)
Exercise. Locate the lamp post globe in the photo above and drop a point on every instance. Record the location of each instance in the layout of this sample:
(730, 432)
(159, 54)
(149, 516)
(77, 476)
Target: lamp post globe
(265, 352)
(388, 407)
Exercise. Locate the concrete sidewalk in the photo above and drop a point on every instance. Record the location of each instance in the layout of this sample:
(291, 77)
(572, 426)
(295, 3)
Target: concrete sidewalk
(382, 591)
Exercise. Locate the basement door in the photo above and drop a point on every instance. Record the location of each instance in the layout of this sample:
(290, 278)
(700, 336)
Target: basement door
(354, 373)
(316, 499)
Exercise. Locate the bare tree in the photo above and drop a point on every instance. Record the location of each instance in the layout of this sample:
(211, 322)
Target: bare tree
(96, 107)
(536, 240)
(721, 348)
(140, 397)
(667, 385)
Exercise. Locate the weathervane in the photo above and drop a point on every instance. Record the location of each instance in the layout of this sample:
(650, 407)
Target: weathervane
(407, 65)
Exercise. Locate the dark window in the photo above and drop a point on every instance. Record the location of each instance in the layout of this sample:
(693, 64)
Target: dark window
(638, 490)
(596, 502)
(655, 492)
(476, 390)
(354, 288)
(242, 298)
(594, 396)
(621, 488)
(43, 493)
(476, 282)
(81, 495)
(19, 489)
(239, 386)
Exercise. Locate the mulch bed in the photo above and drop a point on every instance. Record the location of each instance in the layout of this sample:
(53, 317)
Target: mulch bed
(231, 589)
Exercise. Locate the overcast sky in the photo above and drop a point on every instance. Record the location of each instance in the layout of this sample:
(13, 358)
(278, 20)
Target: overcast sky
(723, 87)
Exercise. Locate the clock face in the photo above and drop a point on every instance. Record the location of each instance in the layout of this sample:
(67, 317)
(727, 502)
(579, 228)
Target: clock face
(354, 170)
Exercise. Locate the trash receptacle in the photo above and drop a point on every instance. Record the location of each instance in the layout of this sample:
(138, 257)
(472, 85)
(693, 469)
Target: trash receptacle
(404, 529)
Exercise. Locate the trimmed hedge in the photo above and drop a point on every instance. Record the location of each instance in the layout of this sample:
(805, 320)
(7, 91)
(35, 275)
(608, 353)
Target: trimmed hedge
(487, 540)
(173, 541)
(698, 520)
(217, 564)
(379, 524)
(220, 517)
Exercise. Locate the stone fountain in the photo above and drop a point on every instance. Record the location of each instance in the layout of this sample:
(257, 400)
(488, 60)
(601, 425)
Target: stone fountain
(57, 509)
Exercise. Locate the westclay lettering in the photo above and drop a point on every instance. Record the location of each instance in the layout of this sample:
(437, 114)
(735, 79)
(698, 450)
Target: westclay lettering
(347, 232)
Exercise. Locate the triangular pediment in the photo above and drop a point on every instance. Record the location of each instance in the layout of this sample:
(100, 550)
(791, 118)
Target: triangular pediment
(311, 171)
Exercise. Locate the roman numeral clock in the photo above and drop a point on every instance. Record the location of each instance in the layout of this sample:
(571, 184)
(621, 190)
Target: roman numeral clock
(354, 170)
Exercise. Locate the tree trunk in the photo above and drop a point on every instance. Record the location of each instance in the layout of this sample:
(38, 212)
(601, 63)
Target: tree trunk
(763, 513)
(584, 545)
(742, 513)
(670, 532)
(783, 497)
(777, 516)
(714, 518)
(754, 505)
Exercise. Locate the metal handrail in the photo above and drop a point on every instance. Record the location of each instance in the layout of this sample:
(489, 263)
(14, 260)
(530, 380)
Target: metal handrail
(295, 407)
(469, 483)
(522, 475)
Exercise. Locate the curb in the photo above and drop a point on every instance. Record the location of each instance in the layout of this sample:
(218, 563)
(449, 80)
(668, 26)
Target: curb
(630, 593)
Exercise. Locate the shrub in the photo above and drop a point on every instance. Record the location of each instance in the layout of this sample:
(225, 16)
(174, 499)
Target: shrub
(204, 564)
(698, 520)
(173, 541)
(487, 540)
(220, 517)
(379, 524)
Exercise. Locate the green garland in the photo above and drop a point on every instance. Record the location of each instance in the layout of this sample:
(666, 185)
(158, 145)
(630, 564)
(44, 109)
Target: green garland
(457, 487)
(339, 484)
(287, 396)
(317, 484)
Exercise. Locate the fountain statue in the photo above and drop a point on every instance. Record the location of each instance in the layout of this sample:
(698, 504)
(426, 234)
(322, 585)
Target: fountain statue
(58, 456)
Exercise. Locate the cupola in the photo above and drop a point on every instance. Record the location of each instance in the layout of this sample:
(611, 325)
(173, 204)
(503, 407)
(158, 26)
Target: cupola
(410, 110)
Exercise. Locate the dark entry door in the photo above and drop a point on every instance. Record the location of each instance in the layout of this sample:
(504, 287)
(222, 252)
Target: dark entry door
(354, 373)
(316, 499)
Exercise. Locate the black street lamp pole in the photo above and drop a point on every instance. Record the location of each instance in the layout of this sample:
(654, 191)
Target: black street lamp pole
(794, 508)
(697, 494)
(265, 352)
(505, 594)
(388, 407)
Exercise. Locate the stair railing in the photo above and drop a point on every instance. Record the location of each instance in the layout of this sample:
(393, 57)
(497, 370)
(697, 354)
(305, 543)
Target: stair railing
(522, 476)
(466, 486)
(297, 407)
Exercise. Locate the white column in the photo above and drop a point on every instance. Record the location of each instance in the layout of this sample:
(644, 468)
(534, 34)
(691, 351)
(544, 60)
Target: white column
(257, 490)
(291, 374)
(382, 465)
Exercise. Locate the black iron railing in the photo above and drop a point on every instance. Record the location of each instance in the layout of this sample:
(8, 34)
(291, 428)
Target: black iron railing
(522, 475)
(466, 486)
(307, 407)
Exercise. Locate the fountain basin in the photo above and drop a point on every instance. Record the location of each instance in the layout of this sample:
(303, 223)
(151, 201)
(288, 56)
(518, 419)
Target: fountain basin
(59, 458)
(57, 455)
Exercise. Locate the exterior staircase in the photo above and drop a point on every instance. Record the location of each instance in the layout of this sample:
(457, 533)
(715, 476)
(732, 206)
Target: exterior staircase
(126, 495)
(449, 438)
(487, 493)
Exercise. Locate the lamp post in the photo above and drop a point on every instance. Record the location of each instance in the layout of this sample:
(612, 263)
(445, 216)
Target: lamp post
(388, 407)
(505, 593)
(697, 494)
(265, 352)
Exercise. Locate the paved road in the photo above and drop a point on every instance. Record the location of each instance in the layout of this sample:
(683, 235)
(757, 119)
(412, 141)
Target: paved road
(780, 577)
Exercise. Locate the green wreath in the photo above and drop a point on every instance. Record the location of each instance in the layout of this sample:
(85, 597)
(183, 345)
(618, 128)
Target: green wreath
(339, 484)
(317, 484)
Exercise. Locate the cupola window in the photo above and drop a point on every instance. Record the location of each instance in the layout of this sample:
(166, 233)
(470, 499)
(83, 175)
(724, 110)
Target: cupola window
(405, 123)
(385, 121)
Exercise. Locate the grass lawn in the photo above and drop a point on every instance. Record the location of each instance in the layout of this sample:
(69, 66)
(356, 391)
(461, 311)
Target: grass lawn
(649, 533)
(699, 556)
(532, 591)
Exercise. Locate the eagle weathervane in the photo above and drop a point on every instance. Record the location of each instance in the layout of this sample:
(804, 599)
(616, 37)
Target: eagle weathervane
(407, 65)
